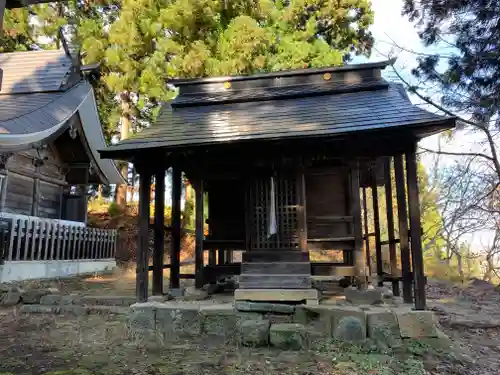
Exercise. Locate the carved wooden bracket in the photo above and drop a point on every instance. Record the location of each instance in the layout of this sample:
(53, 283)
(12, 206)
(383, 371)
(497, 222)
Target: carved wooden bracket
(4, 158)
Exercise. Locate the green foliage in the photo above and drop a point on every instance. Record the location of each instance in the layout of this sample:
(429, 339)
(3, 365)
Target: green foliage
(114, 210)
(468, 72)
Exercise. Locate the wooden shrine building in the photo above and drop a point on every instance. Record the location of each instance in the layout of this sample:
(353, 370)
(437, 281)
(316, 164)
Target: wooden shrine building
(284, 159)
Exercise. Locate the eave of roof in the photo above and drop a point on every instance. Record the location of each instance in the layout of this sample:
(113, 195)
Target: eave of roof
(325, 116)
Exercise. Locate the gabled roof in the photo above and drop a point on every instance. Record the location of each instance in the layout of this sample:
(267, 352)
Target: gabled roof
(320, 103)
(42, 91)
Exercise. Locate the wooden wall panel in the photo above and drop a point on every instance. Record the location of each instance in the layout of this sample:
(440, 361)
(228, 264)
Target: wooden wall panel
(19, 194)
(49, 201)
(326, 197)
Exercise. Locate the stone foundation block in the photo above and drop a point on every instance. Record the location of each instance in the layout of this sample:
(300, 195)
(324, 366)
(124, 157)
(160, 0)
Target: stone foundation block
(162, 298)
(72, 309)
(70, 299)
(416, 324)
(11, 298)
(223, 320)
(178, 319)
(176, 292)
(287, 336)
(279, 318)
(34, 296)
(38, 309)
(264, 307)
(363, 297)
(382, 327)
(193, 294)
(143, 316)
(51, 299)
(254, 332)
(350, 329)
(148, 338)
(107, 300)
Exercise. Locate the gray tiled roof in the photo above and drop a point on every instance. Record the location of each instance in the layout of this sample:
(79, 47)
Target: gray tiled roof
(308, 116)
(34, 71)
(31, 113)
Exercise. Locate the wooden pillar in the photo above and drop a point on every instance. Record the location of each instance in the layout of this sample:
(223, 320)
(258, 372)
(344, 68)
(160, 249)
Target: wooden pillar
(355, 212)
(404, 243)
(221, 256)
(390, 225)
(366, 229)
(301, 208)
(199, 228)
(415, 228)
(175, 249)
(143, 237)
(159, 230)
(376, 227)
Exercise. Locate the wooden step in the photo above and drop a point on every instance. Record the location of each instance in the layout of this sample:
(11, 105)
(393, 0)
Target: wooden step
(277, 255)
(261, 281)
(280, 268)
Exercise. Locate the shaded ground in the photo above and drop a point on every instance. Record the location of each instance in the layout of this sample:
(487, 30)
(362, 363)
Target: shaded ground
(100, 344)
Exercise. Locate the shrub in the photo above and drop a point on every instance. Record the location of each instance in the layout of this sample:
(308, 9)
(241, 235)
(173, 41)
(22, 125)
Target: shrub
(114, 210)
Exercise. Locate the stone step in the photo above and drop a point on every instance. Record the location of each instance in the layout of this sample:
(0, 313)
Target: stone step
(277, 295)
(275, 256)
(276, 268)
(285, 281)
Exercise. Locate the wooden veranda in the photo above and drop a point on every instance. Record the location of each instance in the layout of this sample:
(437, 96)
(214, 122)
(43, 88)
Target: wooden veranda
(285, 159)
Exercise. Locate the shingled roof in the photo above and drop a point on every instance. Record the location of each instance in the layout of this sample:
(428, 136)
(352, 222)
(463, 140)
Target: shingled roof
(41, 92)
(284, 105)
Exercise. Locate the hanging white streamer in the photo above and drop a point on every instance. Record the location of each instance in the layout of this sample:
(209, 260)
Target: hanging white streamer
(272, 210)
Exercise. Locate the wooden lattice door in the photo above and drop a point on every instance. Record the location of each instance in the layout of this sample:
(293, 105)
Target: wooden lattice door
(284, 236)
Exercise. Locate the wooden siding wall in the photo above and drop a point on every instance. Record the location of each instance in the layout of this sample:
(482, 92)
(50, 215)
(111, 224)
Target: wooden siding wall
(226, 210)
(326, 197)
(22, 175)
(19, 195)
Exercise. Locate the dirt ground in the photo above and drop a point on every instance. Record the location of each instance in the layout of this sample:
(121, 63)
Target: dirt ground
(100, 344)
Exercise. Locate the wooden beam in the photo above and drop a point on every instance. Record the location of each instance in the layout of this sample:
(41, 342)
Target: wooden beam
(403, 229)
(415, 228)
(366, 235)
(175, 248)
(159, 232)
(301, 208)
(376, 227)
(390, 224)
(357, 231)
(143, 237)
(199, 225)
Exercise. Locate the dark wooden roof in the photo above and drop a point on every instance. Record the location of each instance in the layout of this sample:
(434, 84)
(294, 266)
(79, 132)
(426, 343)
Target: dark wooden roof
(308, 103)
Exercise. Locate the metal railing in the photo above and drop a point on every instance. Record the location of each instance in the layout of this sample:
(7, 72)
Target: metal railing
(30, 238)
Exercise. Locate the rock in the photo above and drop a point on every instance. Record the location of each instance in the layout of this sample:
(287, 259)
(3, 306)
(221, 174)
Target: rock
(4, 288)
(287, 335)
(162, 298)
(416, 324)
(254, 332)
(482, 284)
(383, 328)
(51, 299)
(142, 316)
(350, 329)
(264, 307)
(193, 294)
(11, 298)
(176, 292)
(178, 319)
(34, 296)
(363, 297)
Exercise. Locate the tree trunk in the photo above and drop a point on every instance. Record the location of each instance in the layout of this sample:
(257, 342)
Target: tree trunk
(121, 190)
(99, 192)
(490, 267)
(460, 266)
